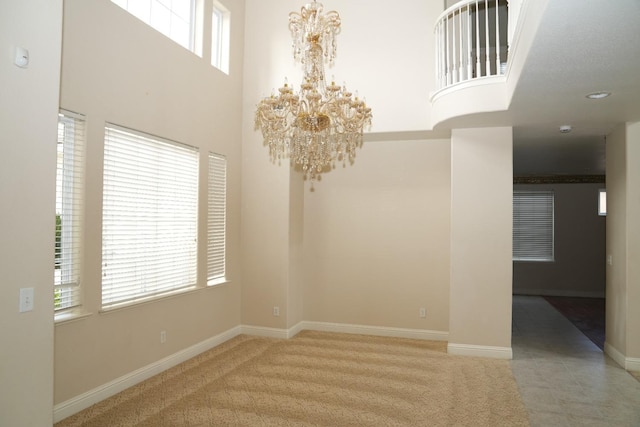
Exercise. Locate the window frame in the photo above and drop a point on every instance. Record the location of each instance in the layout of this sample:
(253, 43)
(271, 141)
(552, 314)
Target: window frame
(602, 202)
(173, 14)
(70, 164)
(216, 219)
(220, 37)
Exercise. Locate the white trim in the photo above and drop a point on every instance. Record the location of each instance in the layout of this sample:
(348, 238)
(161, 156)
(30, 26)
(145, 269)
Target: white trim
(480, 351)
(613, 352)
(628, 363)
(632, 364)
(262, 331)
(420, 334)
(84, 400)
(292, 332)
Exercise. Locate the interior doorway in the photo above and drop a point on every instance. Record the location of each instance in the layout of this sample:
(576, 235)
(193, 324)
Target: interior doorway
(572, 279)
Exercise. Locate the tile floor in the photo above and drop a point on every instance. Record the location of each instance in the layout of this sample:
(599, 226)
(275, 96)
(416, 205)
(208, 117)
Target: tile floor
(565, 379)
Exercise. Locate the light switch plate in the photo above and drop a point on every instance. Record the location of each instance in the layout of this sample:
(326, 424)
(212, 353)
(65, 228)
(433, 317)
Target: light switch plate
(26, 299)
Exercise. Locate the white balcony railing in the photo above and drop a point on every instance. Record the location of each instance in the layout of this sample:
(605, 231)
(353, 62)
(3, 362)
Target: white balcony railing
(472, 41)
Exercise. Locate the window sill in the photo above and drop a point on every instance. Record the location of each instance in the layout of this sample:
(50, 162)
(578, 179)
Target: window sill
(70, 316)
(217, 282)
(156, 298)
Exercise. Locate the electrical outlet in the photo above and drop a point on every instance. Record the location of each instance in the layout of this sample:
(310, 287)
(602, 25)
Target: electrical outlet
(423, 312)
(163, 337)
(276, 311)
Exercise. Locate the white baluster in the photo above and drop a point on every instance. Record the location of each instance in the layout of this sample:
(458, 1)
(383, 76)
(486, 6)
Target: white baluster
(497, 40)
(442, 67)
(478, 69)
(469, 45)
(436, 49)
(453, 47)
(461, 58)
(487, 57)
(446, 49)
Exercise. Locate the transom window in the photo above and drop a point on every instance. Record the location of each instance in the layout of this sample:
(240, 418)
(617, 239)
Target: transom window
(220, 26)
(173, 18)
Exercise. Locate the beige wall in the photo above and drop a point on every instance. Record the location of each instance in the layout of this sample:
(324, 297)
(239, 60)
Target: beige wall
(274, 201)
(116, 70)
(481, 237)
(29, 106)
(579, 241)
(376, 238)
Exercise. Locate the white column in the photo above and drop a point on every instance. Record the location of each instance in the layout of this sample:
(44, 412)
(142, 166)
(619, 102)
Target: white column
(481, 241)
(623, 246)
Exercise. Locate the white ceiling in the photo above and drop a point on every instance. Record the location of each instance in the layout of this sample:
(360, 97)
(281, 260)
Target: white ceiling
(582, 46)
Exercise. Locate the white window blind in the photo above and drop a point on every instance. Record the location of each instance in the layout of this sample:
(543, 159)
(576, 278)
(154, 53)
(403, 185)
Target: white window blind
(149, 223)
(216, 219)
(533, 220)
(69, 203)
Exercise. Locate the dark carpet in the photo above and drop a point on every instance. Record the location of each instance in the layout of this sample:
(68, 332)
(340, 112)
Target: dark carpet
(587, 314)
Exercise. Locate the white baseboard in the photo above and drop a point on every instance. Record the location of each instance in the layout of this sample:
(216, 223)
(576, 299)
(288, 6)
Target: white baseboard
(632, 364)
(628, 363)
(83, 401)
(262, 331)
(420, 334)
(480, 351)
(292, 332)
(613, 353)
(346, 329)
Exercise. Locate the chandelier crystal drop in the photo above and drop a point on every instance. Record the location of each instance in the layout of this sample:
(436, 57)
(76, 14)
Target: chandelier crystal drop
(322, 123)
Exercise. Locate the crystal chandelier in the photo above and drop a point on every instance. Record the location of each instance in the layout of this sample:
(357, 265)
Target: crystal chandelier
(322, 123)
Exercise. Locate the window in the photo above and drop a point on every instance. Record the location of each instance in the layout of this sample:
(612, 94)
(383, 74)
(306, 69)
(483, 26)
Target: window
(217, 211)
(149, 223)
(173, 18)
(69, 173)
(602, 202)
(533, 225)
(220, 25)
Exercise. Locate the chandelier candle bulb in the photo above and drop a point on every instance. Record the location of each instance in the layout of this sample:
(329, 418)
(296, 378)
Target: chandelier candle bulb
(321, 124)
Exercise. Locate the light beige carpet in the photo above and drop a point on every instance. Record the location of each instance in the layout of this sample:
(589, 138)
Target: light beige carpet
(319, 379)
